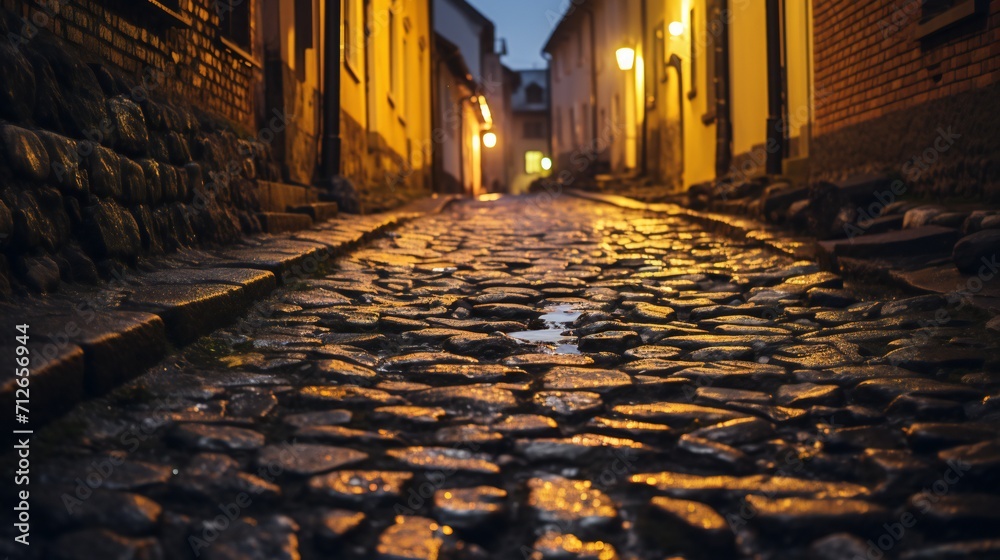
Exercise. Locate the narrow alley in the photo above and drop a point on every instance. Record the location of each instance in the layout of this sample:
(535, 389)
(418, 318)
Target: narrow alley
(537, 377)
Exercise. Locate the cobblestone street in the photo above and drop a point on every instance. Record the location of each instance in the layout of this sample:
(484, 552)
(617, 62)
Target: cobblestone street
(532, 377)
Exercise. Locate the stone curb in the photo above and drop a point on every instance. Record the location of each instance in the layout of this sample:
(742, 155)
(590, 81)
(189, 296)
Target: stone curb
(86, 341)
(934, 278)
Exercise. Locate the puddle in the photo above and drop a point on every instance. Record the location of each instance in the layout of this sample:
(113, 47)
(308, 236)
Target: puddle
(557, 320)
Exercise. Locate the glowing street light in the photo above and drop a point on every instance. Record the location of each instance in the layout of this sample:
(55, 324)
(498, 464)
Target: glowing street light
(490, 139)
(546, 163)
(626, 58)
(676, 28)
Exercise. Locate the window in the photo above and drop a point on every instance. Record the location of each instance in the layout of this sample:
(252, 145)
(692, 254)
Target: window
(404, 67)
(938, 15)
(573, 135)
(712, 40)
(353, 33)
(303, 35)
(534, 129)
(559, 130)
(394, 61)
(533, 162)
(694, 59)
(234, 22)
(534, 93)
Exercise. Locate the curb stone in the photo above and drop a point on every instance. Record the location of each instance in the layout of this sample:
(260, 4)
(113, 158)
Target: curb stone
(87, 341)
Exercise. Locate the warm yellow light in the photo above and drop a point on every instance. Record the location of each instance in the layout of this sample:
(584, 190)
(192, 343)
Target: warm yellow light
(484, 107)
(626, 58)
(490, 140)
(676, 28)
(546, 163)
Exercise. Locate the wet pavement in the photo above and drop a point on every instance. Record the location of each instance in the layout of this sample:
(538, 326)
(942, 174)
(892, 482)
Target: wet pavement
(531, 378)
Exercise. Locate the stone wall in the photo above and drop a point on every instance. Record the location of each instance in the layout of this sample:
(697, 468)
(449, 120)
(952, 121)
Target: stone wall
(99, 168)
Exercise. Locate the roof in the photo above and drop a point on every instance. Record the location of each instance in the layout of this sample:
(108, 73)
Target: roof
(572, 16)
(452, 56)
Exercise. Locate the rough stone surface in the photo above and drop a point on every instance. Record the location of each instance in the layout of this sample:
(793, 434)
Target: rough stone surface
(731, 402)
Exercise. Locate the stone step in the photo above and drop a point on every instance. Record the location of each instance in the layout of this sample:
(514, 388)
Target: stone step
(278, 197)
(282, 222)
(318, 211)
(895, 244)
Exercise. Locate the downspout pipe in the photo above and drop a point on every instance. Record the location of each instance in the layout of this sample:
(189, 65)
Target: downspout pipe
(676, 64)
(724, 123)
(593, 81)
(331, 92)
(775, 91)
(645, 93)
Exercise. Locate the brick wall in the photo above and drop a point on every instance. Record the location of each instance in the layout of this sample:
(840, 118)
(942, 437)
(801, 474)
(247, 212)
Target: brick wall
(135, 36)
(885, 99)
(868, 61)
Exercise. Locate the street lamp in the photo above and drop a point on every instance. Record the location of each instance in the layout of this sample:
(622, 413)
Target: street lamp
(676, 28)
(626, 58)
(490, 139)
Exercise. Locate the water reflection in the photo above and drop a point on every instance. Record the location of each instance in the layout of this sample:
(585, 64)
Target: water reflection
(557, 321)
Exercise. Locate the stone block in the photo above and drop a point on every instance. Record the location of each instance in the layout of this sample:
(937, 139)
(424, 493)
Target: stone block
(974, 251)
(189, 311)
(133, 178)
(256, 284)
(56, 379)
(117, 345)
(24, 153)
(282, 222)
(111, 232)
(104, 168)
(64, 157)
(318, 211)
(896, 244)
(129, 126)
(17, 84)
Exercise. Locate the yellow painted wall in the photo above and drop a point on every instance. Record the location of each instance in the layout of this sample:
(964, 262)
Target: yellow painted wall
(700, 137)
(748, 76)
(798, 17)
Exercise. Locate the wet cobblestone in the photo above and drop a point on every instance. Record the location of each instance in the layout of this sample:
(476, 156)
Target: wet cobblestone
(547, 379)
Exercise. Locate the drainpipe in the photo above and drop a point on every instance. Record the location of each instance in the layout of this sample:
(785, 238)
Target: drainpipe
(331, 93)
(645, 93)
(593, 82)
(724, 125)
(775, 119)
(676, 64)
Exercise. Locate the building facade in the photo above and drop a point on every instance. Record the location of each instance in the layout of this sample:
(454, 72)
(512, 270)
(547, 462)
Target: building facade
(471, 105)
(530, 130)
(134, 128)
(384, 97)
(740, 90)
(596, 121)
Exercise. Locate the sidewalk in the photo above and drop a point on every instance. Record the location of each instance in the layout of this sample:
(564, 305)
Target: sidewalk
(84, 341)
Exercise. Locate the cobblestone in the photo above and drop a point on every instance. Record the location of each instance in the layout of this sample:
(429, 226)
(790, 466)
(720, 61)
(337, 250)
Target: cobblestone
(559, 379)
